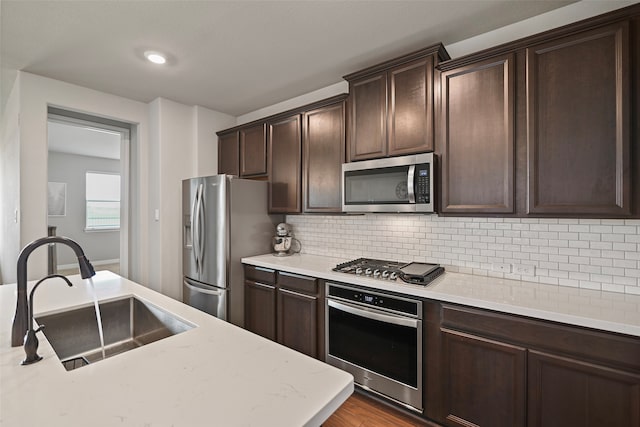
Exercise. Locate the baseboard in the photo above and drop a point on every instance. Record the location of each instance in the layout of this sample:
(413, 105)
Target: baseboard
(94, 263)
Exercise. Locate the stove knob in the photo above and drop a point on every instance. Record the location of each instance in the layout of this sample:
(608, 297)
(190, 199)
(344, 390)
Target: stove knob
(376, 273)
(385, 274)
(368, 272)
(393, 275)
(359, 270)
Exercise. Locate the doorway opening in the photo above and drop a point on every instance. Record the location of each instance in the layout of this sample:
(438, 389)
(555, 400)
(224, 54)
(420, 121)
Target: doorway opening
(88, 190)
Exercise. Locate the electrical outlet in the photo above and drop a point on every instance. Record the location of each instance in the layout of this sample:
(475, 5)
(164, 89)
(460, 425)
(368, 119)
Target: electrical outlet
(524, 269)
(502, 268)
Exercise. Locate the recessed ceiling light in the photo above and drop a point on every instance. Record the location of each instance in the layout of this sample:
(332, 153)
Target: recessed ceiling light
(155, 57)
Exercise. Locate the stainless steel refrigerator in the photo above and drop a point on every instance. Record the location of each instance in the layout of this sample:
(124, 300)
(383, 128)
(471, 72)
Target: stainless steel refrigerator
(224, 219)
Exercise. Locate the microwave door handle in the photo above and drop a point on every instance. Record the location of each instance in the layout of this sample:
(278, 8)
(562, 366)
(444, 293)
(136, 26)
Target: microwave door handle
(410, 181)
(381, 317)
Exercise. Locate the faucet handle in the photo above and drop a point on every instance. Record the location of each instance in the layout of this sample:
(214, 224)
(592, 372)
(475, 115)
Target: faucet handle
(31, 347)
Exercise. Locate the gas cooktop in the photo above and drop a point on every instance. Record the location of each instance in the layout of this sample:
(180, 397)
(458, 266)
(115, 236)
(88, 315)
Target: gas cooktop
(413, 272)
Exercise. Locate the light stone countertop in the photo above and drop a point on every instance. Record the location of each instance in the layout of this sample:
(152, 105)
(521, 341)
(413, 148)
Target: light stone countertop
(608, 311)
(215, 374)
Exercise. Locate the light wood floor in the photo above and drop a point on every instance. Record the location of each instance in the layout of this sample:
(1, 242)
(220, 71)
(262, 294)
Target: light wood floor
(361, 411)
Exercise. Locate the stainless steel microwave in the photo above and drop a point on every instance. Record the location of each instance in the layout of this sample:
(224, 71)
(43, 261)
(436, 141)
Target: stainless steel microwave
(395, 184)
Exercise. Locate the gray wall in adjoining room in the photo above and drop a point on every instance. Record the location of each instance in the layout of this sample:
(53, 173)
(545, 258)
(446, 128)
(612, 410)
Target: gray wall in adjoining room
(71, 169)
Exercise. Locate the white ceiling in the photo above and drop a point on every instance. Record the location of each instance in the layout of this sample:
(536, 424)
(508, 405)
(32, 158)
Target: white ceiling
(232, 56)
(83, 140)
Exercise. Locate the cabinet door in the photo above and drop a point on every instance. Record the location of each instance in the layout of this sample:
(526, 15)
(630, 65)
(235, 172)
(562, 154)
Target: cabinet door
(253, 151)
(578, 112)
(368, 117)
(260, 309)
(410, 112)
(298, 321)
(285, 145)
(478, 141)
(566, 392)
(483, 382)
(229, 154)
(323, 150)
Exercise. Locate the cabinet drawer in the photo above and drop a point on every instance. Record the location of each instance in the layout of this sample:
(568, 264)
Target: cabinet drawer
(260, 274)
(296, 282)
(612, 349)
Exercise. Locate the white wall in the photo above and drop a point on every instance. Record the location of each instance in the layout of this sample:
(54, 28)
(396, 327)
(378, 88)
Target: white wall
(558, 17)
(170, 142)
(594, 254)
(174, 151)
(547, 21)
(183, 144)
(299, 101)
(10, 186)
(71, 169)
(585, 253)
(207, 123)
(36, 93)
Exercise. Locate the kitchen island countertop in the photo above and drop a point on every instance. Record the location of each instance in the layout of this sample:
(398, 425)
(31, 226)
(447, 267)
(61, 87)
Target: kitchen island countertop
(608, 311)
(215, 374)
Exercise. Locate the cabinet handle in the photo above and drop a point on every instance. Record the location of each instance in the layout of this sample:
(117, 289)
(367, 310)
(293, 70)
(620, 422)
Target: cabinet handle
(263, 285)
(267, 270)
(297, 276)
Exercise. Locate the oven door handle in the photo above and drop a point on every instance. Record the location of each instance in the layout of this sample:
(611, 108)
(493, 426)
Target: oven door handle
(381, 317)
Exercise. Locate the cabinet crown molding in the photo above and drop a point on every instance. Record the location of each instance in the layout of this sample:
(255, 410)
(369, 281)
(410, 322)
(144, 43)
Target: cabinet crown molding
(278, 116)
(625, 13)
(437, 49)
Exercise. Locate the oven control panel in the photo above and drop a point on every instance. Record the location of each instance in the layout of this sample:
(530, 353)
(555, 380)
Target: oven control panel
(388, 302)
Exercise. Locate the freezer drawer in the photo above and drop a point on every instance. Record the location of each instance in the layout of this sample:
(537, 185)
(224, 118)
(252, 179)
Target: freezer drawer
(210, 299)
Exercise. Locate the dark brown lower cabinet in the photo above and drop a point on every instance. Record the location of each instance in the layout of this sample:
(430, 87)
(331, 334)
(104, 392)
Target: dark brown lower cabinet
(485, 381)
(491, 369)
(298, 321)
(285, 307)
(567, 392)
(260, 309)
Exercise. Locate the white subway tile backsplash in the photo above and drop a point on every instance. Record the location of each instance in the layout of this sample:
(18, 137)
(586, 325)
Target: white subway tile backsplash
(587, 253)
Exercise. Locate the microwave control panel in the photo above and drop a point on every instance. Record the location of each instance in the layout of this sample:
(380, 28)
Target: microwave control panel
(422, 184)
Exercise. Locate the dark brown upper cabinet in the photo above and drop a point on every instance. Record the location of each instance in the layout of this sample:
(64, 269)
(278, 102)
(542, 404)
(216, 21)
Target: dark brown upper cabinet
(296, 183)
(368, 119)
(477, 140)
(391, 106)
(578, 123)
(542, 126)
(323, 144)
(253, 151)
(285, 157)
(229, 154)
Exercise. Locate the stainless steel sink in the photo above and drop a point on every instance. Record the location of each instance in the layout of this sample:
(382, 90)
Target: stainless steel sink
(127, 324)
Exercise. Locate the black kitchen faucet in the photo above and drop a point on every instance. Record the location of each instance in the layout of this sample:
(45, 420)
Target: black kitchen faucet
(22, 320)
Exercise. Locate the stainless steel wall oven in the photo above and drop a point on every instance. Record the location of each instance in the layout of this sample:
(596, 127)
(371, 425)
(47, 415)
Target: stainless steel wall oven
(377, 337)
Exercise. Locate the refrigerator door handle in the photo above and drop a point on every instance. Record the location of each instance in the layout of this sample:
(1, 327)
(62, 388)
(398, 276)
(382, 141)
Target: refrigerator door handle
(201, 219)
(202, 290)
(194, 233)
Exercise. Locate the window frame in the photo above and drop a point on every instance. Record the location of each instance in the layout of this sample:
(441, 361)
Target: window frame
(95, 229)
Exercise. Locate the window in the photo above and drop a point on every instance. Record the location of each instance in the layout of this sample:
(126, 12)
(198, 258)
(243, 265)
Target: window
(103, 201)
